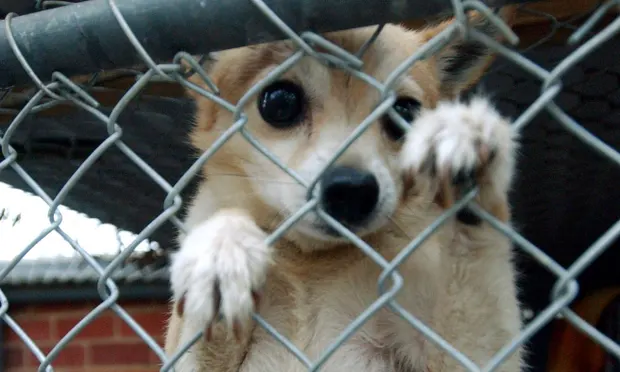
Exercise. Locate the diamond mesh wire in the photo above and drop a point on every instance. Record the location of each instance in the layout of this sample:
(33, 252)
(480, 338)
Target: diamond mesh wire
(61, 90)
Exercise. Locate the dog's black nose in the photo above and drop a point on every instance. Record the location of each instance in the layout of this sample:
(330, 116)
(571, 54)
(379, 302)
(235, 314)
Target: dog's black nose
(349, 195)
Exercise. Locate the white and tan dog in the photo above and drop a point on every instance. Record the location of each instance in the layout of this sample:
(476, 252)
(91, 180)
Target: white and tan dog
(387, 188)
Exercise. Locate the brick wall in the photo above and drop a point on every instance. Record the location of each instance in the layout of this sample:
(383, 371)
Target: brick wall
(107, 344)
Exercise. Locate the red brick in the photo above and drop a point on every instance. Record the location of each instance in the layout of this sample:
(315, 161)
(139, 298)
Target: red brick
(36, 329)
(71, 355)
(14, 357)
(65, 307)
(152, 321)
(153, 368)
(121, 354)
(101, 327)
(141, 305)
(17, 311)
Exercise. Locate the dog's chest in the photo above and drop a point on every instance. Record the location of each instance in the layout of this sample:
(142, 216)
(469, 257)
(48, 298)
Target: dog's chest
(363, 351)
(269, 355)
(313, 314)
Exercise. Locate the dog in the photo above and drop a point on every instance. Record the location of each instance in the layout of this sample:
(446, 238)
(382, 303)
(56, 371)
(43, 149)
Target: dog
(386, 188)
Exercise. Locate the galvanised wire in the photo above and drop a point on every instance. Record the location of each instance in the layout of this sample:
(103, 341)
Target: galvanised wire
(61, 90)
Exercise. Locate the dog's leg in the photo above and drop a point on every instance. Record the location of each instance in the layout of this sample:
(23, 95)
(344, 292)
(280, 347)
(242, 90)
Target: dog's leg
(455, 147)
(218, 272)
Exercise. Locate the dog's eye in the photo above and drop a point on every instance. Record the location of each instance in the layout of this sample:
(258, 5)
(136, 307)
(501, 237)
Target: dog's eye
(407, 108)
(281, 104)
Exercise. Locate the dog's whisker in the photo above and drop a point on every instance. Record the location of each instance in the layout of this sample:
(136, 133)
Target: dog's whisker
(276, 216)
(399, 227)
(238, 195)
(252, 178)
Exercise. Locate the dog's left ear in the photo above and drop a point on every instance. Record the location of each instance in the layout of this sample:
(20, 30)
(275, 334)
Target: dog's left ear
(461, 63)
(206, 62)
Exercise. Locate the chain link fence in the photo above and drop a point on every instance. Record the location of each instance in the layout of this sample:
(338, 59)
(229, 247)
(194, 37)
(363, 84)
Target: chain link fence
(76, 93)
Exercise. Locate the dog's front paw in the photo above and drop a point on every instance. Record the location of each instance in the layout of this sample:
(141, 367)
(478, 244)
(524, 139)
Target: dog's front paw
(219, 272)
(460, 145)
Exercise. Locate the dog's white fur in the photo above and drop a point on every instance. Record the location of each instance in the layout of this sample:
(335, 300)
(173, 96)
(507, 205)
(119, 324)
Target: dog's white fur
(460, 282)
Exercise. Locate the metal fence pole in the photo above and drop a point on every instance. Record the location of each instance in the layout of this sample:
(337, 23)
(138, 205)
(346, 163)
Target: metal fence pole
(91, 40)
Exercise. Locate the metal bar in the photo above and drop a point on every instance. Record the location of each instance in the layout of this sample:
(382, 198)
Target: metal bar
(91, 38)
(41, 295)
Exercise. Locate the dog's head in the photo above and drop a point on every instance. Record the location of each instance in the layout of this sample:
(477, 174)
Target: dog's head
(305, 115)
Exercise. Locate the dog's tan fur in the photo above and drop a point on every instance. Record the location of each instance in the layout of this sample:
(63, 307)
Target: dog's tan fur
(460, 282)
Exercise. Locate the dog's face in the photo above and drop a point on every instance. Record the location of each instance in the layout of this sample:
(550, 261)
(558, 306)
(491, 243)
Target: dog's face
(305, 115)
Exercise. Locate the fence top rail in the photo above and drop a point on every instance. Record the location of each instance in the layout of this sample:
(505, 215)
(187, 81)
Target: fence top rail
(92, 40)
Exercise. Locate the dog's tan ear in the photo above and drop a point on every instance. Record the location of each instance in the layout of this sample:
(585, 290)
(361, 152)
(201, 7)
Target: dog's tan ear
(461, 63)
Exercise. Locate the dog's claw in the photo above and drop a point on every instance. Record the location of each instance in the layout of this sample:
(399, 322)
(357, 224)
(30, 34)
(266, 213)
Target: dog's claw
(209, 333)
(464, 177)
(429, 166)
(217, 297)
(256, 298)
(484, 153)
(237, 330)
(181, 305)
